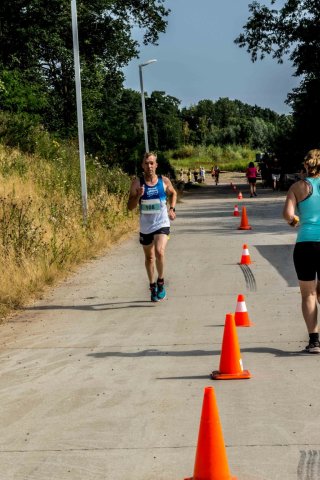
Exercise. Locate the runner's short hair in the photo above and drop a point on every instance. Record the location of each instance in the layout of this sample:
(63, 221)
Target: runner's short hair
(149, 154)
(312, 161)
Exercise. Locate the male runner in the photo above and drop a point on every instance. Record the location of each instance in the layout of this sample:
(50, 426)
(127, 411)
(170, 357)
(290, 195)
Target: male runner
(150, 192)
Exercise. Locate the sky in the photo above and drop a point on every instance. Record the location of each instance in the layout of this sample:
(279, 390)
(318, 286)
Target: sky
(197, 58)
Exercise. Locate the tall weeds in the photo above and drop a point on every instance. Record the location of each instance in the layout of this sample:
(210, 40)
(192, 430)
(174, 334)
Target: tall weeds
(42, 235)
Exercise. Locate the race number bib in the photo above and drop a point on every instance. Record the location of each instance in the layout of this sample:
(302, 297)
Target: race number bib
(150, 206)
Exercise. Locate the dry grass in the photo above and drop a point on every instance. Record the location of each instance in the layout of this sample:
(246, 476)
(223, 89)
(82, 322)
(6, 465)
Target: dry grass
(42, 236)
(27, 280)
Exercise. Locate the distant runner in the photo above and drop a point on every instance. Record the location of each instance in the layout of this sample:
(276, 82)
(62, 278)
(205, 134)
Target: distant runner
(215, 174)
(275, 174)
(150, 192)
(251, 175)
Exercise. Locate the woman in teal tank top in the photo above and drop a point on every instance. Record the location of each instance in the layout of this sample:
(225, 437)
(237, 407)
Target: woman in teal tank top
(304, 198)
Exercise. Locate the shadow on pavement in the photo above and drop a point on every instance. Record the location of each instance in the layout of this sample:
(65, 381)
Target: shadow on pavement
(280, 257)
(198, 353)
(97, 306)
(189, 377)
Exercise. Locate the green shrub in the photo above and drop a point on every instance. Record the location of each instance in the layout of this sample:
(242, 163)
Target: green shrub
(186, 151)
(20, 130)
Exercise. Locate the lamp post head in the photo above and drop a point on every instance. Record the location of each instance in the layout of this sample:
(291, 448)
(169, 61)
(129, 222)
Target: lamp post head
(147, 63)
(145, 128)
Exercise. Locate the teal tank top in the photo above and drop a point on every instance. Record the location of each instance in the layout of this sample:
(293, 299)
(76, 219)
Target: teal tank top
(309, 213)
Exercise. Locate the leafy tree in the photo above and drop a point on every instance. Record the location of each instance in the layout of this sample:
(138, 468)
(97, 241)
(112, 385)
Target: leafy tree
(293, 31)
(164, 122)
(116, 133)
(204, 123)
(18, 96)
(226, 113)
(231, 122)
(189, 117)
(259, 133)
(36, 37)
(186, 132)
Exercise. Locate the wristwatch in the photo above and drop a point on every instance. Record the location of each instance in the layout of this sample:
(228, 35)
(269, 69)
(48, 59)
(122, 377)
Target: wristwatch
(172, 208)
(294, 221)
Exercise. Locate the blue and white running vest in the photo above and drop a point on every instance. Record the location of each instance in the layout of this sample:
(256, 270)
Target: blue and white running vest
(309, 213)
(153, 208)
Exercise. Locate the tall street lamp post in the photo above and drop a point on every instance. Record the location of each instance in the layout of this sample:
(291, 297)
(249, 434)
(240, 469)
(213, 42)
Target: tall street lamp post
(145, 127)
(79, 111)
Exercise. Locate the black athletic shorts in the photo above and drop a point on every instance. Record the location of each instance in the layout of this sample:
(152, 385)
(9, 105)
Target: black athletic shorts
(252, 180)
(147, 238)
(306, 258)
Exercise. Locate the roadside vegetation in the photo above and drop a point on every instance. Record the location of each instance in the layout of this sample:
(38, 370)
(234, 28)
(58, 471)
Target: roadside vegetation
(42, 235)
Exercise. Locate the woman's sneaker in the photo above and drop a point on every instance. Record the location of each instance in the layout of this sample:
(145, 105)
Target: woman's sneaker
(161, 291)
(154, 292)
(313, 347)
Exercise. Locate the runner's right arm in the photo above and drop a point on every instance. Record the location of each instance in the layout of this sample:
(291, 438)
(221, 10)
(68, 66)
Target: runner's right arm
(290, 206)
(136, 191)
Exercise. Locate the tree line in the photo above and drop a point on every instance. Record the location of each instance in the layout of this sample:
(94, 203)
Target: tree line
(37, 80)
(290, 32)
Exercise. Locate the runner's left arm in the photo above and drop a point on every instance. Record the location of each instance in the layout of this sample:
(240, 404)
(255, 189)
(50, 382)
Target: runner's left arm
(170, 191)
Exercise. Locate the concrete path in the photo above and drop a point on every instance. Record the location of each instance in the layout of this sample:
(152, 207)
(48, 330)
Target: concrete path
(97, 383)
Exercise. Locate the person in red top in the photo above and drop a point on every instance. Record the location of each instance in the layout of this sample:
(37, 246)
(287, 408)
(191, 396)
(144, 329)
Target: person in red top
(251, 175)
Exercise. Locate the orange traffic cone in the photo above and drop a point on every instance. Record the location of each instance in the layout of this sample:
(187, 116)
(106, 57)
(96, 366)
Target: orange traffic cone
(239, 196)
(236, 211)
(245, 257)
(231, 367)
(244, 224)
(241, 315)
(211, 458)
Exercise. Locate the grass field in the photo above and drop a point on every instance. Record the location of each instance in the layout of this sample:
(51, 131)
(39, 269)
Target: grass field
(197, 162)
(230, 158)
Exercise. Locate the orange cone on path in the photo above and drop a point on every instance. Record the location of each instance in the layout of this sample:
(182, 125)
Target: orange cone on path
(241, 315)
(239, 196)
(211, 459)
(244, 224)
(236, 211)
(245, 257)
(230, 367)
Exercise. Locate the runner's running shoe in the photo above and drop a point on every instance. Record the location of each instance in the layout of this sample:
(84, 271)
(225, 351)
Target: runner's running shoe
(161, 291)
(313, 347)
(154, 291)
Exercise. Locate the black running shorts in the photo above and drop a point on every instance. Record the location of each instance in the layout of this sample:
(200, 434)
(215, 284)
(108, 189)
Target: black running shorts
(306, 258)
(147, 238)
(252, 180)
